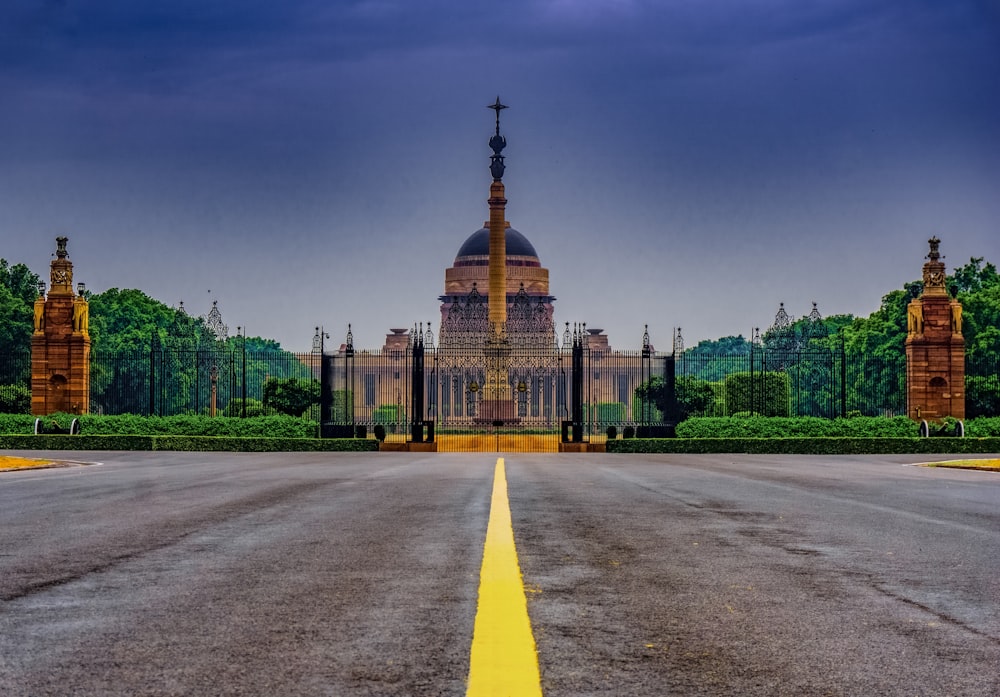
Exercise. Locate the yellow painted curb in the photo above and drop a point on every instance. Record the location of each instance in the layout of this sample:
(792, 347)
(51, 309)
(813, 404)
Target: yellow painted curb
(8, 462)
(985, 464)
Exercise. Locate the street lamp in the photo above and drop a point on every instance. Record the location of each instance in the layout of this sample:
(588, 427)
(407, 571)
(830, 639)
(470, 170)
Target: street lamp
(318, 340)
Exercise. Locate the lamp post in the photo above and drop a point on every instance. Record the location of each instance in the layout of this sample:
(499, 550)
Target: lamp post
(325, 396)
(318, 340)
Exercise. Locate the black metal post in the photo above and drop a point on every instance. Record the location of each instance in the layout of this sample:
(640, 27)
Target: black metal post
(417, 390)
(753, 402)
(325, 393)
(197, 381)
(578, 389)
(243, 385)
(843, 375)
(152, 376)
(645, 376)
(349, 379)
(672, 414)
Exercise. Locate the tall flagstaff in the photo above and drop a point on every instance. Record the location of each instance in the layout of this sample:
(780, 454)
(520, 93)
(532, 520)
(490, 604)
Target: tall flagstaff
(498, 233)
(497, 405)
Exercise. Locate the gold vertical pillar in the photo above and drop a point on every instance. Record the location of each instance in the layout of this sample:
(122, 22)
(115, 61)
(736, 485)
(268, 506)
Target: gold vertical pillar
(498, 260)
(497, 391)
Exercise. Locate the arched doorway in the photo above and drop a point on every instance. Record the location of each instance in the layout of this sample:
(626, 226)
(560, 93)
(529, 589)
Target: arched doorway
(58, 395)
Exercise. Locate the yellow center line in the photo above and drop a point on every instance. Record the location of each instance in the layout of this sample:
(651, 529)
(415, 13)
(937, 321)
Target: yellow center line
(503, 660)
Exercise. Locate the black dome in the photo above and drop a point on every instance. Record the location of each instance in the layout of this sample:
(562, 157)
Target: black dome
(478, 244)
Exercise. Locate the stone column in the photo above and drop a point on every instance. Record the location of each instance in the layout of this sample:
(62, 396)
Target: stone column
(497, 404)
(498, 259)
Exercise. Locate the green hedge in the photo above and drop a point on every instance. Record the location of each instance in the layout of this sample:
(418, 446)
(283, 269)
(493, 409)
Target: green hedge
(983, 427)
(807, 446)
(799, 426)
(273, 426)
(188, 443)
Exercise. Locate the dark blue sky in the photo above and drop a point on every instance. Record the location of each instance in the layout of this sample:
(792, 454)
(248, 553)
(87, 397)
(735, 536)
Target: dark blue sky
(674, 163)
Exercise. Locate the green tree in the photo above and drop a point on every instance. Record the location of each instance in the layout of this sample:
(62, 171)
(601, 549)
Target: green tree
(18, 292)
(714, 360)
(342, 411)
(692, 397)
(292, 396)
(15, 399)
(978, 287)
(125, 326)
(609, 412)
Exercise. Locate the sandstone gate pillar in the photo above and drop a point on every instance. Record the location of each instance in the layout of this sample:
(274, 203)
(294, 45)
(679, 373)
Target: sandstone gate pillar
(935, 348)
(60, 344)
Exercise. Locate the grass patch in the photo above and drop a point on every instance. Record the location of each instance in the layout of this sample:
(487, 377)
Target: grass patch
(8, 462)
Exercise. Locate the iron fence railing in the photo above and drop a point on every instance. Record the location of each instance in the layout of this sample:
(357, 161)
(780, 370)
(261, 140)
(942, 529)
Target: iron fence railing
(544, 385)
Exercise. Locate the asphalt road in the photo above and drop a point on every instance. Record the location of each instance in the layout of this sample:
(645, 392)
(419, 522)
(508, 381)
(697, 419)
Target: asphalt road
(357, 574)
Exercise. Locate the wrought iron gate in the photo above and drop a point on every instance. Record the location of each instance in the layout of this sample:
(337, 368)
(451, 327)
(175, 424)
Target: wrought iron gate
(553, 393)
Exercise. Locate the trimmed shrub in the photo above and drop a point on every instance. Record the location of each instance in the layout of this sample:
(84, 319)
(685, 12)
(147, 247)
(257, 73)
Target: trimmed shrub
(799, 426)
(254, 407)
(609, 412)
(17, 423)
(276, 426)
(768, 390)
(807, 446)
(983, 427)
(292, 396)
(185, 443)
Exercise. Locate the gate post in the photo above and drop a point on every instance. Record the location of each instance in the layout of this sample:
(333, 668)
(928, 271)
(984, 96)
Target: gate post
(325, 393)
(843, 374)
(417, 387)
(672, 414)
(349, 382)
(577, 387)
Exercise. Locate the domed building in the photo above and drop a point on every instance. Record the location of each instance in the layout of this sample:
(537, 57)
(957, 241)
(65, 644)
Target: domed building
(465, 308)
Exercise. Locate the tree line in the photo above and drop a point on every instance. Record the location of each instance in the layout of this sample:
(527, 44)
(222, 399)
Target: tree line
(127, 327)
(798, 363)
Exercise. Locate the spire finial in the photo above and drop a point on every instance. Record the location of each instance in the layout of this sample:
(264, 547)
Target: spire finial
(497, 144)
(497, 107)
